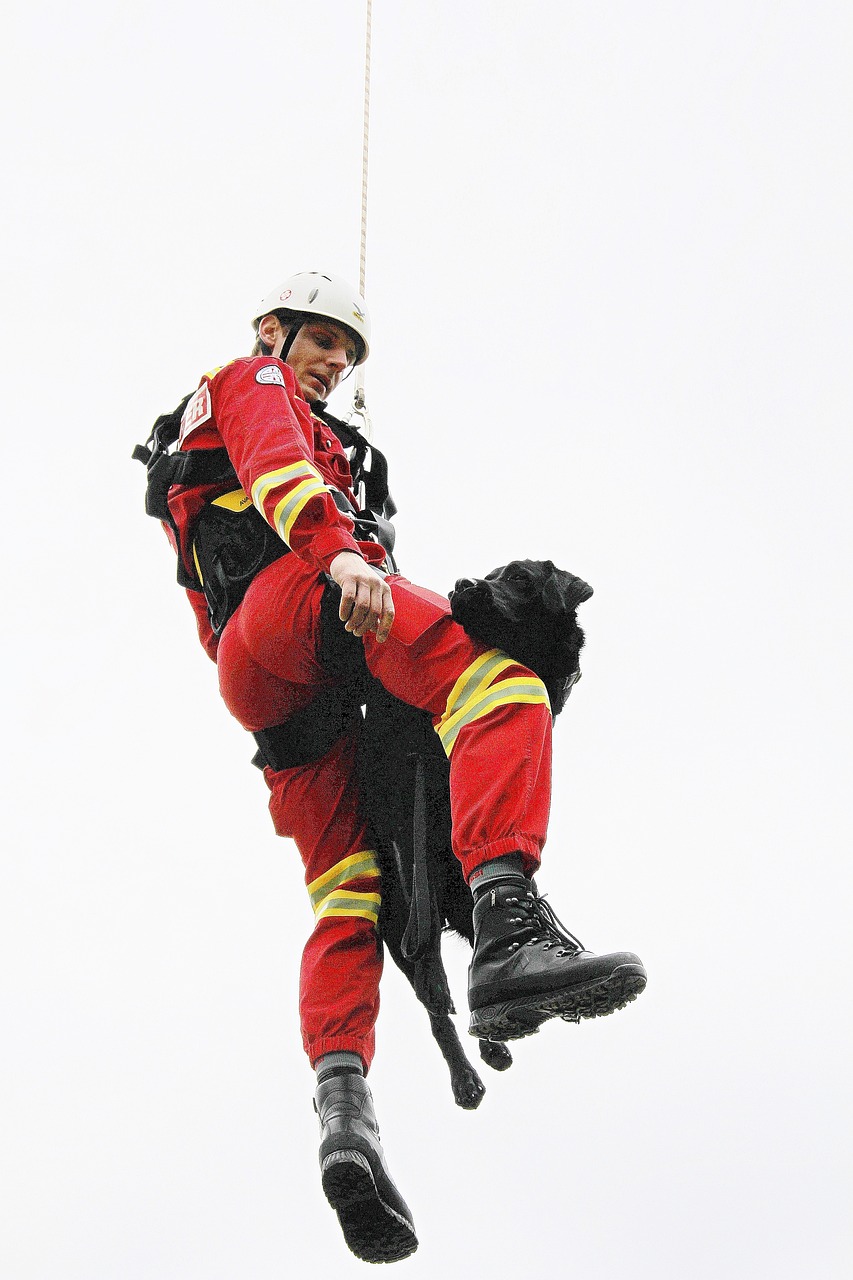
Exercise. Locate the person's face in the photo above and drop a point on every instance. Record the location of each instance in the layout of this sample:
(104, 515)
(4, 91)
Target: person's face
(320, 355)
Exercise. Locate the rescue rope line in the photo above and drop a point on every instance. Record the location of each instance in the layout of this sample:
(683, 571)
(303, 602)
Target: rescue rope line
(359, 403)
(364, 148)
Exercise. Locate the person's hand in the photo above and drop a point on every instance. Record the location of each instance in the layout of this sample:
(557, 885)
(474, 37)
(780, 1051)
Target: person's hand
(366, 603)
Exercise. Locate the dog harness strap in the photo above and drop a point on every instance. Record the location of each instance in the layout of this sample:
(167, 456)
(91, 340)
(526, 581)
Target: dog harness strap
(422, 928)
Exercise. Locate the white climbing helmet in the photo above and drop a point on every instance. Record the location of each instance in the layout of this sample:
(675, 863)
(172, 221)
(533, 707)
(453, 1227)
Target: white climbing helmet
(311, 293)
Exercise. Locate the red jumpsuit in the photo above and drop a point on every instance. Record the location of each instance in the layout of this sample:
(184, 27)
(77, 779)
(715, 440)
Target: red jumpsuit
(491, 714)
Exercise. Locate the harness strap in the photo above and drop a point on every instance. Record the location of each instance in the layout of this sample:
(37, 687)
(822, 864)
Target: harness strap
(368, 465)
(309, 734)
(422, 926)
(194, 467)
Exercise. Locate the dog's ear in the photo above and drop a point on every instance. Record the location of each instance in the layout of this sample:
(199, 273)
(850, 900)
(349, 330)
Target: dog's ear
(563, 592)
(553, 598)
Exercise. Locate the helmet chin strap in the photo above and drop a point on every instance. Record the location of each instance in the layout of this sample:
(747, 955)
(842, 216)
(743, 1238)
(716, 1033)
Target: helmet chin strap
(289, 340)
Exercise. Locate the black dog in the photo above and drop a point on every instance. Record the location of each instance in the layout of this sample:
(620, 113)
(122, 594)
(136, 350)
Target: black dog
(527, 608)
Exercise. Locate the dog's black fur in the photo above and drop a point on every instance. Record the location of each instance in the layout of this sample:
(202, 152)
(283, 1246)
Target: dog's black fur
(399, 743)
(527, 608)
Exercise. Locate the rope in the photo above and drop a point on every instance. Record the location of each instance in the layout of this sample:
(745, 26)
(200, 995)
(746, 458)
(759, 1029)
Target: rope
(359, 405)
(364, 149)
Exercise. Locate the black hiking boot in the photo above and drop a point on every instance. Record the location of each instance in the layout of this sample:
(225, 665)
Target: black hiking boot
(374, 1218)
(527, 967)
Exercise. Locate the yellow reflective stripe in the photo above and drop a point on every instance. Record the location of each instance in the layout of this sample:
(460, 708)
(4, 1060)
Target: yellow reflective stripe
(366, 914)
(354, 867)
(473, 680)
(529, 689)
(288, 509)
(197, 566)
(235, 500)
(480, 673)
(270, 479)
(453, 696)
(342, 903)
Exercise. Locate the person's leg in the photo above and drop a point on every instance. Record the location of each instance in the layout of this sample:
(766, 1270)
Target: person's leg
(316, 805)
(374, 1217)
(493, 719)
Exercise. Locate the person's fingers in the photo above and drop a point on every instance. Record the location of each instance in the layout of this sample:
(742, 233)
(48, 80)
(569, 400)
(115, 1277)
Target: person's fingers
(374, 613)
(366, 604)
(365, 616)
(386, 617)
(360, 612)
(348, 593)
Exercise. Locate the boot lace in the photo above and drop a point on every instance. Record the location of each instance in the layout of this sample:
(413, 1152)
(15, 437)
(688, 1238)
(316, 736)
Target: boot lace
(538, 918)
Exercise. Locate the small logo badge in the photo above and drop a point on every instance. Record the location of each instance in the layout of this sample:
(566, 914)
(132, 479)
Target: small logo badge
(270, 376)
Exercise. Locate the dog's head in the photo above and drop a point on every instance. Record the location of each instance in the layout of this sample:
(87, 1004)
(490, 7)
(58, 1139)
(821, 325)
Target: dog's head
(528, 609)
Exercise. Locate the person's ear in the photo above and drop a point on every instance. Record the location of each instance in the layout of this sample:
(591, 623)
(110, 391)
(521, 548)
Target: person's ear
(270, 331)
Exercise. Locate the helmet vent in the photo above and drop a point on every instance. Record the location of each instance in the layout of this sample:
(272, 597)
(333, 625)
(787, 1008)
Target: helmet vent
(313, 294)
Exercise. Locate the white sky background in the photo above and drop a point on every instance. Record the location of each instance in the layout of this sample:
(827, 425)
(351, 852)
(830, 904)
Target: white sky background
(610, 280)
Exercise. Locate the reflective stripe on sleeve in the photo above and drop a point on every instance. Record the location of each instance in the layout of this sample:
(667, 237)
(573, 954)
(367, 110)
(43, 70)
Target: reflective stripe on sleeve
(308, 483)
(282, 475)
(288, 509)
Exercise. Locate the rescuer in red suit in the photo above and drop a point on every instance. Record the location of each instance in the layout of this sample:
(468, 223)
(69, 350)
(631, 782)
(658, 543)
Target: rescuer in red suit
(491, 714)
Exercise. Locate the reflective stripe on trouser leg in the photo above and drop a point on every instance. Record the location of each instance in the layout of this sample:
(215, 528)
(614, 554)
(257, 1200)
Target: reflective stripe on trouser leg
(478, 692)
(496, 732)
(342, 961)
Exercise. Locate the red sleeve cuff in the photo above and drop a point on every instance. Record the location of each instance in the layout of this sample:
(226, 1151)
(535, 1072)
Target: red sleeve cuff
(326, 545)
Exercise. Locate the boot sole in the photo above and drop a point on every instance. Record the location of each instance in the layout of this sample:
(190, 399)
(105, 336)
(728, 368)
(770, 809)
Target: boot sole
(514, 1019)
(374, 1231)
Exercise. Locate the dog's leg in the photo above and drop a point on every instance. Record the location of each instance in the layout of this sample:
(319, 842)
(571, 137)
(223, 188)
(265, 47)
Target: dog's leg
(468, 1088)
(429, 979)
(495, 1055)
(458, 910)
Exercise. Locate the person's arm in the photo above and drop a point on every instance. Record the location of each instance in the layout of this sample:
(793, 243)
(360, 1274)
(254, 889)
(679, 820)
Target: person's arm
(266, 428)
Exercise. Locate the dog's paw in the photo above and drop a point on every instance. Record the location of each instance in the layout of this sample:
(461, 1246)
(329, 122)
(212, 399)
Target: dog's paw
(468, 1088)
(495, 1055)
